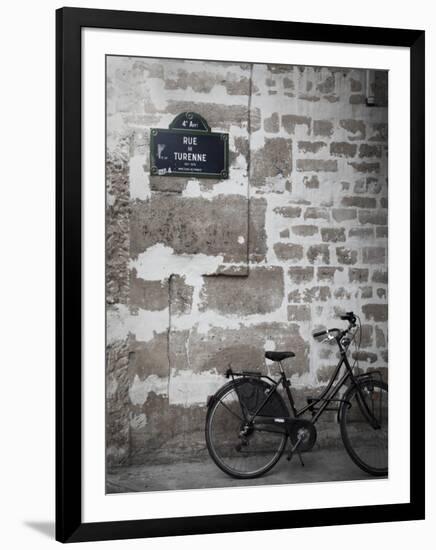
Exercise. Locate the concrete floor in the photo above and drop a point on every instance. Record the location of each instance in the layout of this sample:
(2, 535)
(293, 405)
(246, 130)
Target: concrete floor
(319, 465)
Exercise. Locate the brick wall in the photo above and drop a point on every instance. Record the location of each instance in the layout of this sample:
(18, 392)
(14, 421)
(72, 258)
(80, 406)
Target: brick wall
(203, 274)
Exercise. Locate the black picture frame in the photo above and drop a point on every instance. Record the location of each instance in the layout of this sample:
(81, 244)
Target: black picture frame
(69, 525)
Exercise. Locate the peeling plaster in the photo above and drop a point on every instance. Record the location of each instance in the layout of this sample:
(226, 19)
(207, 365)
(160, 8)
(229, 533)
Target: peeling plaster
(143, 324)
(187, 387)
(139, 389)
(138, 178)
(159, 262)
(223, 187)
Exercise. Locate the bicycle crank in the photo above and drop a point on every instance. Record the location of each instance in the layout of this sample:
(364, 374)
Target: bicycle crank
(302, 432)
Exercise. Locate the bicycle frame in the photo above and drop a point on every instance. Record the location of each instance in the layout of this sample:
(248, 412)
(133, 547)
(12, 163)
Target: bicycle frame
(326, 397)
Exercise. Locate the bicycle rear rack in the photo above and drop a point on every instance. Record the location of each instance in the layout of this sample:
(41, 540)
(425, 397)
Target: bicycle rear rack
(231, 373)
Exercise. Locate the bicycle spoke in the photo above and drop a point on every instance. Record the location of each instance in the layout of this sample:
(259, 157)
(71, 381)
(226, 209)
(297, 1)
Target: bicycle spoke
(239, 449)
(230, 410)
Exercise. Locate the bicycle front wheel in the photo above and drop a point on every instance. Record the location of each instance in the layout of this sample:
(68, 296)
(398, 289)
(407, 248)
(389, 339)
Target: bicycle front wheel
(364, 426)
(242, 453)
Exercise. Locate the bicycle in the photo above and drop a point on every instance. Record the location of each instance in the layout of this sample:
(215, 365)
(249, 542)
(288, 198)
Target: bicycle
(248, 423)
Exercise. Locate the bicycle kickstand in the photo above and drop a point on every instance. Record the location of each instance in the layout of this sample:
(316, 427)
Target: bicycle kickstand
(293, 449)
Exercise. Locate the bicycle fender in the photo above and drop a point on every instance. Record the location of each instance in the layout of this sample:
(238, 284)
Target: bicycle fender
(210, 401)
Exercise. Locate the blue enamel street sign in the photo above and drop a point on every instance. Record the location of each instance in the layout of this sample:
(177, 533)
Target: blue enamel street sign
(189, 148)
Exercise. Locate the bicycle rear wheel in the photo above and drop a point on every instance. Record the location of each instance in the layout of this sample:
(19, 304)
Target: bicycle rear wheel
(367, 445)
(258, 450)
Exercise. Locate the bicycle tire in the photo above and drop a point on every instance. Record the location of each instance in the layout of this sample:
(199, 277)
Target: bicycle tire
(366, 446)
(222, 435)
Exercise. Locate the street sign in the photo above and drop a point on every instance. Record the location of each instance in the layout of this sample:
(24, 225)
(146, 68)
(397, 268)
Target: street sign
(188, 148)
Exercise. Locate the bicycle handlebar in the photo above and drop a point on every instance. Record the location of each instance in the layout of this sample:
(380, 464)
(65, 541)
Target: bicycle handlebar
(324, 332)
(349, 316)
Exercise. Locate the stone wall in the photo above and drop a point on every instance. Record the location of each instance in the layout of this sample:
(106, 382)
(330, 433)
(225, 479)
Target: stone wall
(203, 274)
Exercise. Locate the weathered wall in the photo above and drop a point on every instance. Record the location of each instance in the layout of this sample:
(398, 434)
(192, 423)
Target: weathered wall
(206, 273)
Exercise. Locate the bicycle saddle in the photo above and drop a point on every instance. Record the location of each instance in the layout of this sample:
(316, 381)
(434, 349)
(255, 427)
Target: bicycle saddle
(278, 355)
